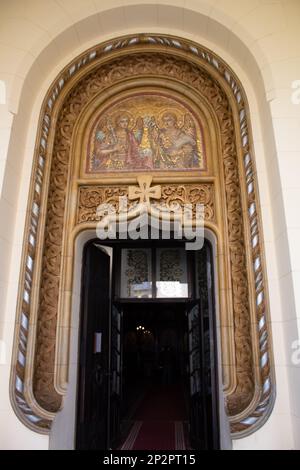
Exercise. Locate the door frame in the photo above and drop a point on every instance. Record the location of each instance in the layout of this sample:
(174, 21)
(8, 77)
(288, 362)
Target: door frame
(85, 324)
(111, 244)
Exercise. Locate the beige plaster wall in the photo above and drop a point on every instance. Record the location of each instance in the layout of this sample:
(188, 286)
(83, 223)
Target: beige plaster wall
(259, 39)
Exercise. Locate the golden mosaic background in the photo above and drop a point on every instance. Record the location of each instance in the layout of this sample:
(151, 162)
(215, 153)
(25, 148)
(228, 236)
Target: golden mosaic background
(146, 132)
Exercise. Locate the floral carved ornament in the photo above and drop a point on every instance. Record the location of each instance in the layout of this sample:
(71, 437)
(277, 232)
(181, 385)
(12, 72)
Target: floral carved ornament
(96, 81)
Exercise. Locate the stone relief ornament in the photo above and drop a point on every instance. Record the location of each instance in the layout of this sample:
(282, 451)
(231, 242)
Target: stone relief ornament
(34, 392)
(145, 192)
(164, 198)
(146, 132)
(47, 321)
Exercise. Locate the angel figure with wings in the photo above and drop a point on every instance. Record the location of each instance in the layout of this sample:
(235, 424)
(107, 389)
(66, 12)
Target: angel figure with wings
(117, 146)
(175, 146)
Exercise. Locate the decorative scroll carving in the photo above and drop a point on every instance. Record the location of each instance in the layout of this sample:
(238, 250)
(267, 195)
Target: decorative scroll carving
(86, 89)
(191, 194)
(91, 197)
(185, 71)
(121, 68)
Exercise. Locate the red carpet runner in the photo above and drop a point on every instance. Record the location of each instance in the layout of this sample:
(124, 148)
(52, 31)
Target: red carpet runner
(158, 421)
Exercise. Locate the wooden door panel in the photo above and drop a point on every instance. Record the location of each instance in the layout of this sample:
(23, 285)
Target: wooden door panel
(204, 426)
(115, 374)
(92, 419)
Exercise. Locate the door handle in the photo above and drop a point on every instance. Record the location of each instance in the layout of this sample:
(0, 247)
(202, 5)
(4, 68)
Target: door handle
(98, 375)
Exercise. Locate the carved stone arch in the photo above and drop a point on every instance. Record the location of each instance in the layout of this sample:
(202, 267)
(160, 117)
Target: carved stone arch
(62, 202)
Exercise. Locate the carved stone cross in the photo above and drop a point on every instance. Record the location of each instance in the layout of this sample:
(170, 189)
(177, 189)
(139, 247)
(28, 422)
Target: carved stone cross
(144, 192)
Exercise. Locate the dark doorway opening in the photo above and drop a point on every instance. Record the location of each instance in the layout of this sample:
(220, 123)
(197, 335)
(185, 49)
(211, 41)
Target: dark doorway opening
(147, 358)
(155, 407)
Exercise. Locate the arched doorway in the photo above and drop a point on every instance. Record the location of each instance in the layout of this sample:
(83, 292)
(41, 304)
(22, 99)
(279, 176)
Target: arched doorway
(162, 121)
(148, 364)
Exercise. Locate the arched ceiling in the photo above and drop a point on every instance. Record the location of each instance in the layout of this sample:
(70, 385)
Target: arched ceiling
(42, 33)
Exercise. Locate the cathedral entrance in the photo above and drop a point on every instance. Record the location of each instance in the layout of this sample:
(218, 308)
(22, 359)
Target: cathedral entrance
(147, 373)
(155, 378)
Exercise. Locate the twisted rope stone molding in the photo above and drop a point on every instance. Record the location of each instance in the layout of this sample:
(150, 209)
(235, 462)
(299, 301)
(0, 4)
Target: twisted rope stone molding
(36, 406)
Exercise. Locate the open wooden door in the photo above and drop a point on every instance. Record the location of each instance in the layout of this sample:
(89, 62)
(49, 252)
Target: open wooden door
(93, 390)
(204, 422)
(197, 411)
(115, 375)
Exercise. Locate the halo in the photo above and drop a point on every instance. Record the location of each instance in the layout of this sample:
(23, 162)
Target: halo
(113, 117)
(169, 110)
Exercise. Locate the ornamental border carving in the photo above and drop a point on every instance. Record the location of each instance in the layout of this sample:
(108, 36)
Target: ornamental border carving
(33, 392)
(90, 197)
